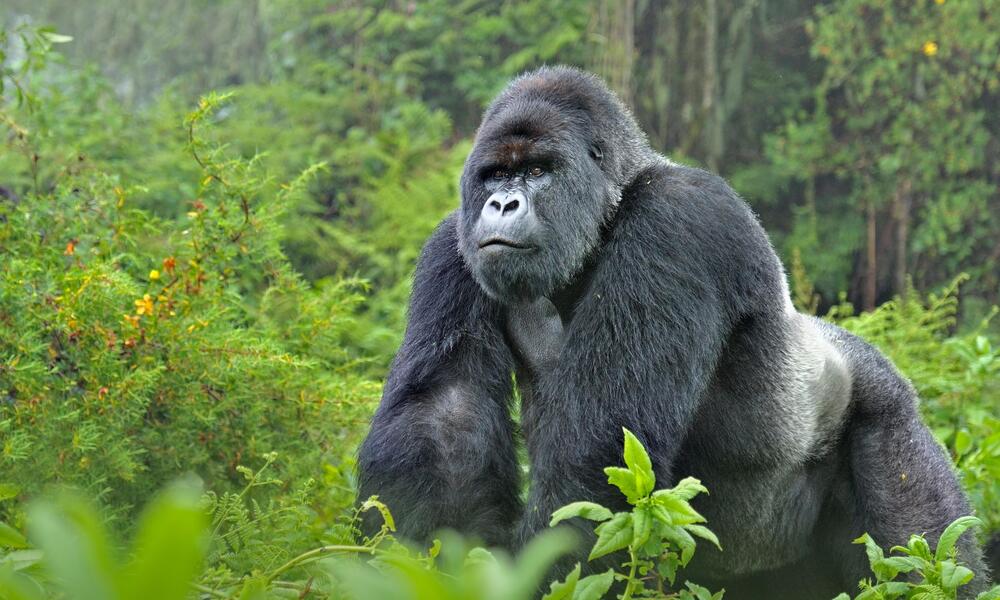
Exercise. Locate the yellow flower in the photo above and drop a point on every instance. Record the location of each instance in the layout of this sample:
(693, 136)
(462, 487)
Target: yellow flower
(930, 48)
(154, 275)
(144, 305)
(938, 1)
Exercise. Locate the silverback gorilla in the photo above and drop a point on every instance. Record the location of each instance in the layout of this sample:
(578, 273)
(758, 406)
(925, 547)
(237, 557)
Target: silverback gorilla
(626, 290)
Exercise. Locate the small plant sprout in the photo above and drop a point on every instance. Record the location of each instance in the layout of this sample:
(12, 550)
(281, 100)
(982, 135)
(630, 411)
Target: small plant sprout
(935, 574)
(658, 534)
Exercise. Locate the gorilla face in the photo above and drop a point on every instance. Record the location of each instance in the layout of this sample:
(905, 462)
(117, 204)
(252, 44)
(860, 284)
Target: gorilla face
(534, 199)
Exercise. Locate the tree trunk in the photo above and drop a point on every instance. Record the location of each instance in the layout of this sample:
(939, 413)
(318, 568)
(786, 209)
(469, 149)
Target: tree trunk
(710, 89)
(871, 272)
(614, 20)
(901, 214)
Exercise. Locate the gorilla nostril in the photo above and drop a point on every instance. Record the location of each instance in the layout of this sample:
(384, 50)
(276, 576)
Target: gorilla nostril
(511, 207)
(495, 205)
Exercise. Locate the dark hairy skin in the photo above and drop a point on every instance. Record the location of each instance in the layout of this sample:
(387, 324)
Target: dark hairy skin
(628, 291)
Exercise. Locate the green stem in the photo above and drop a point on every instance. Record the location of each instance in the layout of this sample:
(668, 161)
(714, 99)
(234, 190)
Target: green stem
(633, 564)
(207, 590)
(314, 554)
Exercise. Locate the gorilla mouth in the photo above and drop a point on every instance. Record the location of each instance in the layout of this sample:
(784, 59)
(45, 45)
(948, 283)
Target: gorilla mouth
(496, 242)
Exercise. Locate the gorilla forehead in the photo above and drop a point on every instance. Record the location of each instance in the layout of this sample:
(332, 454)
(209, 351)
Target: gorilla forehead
(528, 127)
(564, 107)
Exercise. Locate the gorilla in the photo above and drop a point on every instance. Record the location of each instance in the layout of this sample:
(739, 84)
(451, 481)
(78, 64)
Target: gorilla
(612, 287)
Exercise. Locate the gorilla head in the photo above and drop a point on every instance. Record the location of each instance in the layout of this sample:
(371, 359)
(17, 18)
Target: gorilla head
(550, 160)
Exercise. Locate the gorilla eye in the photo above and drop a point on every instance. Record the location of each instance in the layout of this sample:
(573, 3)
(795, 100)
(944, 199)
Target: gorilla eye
(500, 174)
(537, 172)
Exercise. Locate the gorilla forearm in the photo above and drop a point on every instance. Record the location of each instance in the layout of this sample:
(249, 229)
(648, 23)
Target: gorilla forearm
(441, 450)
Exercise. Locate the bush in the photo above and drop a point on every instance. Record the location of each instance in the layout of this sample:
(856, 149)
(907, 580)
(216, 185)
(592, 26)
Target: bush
(133, 349)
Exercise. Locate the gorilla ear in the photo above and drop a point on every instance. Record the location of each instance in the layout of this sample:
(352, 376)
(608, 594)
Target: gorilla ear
(596, 153)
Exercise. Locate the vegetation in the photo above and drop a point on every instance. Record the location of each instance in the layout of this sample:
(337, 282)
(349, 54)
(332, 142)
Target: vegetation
(199, 297)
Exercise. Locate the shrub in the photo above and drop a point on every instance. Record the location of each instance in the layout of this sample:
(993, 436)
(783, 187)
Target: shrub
(133, 349)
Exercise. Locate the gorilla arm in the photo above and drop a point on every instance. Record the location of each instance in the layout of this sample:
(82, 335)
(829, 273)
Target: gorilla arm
(441, 451)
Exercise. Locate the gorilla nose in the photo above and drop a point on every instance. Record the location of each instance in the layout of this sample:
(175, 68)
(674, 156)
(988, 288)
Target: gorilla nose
(504, 208)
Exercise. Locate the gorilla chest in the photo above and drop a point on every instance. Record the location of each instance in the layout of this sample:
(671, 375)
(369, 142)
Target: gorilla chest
(535, 333)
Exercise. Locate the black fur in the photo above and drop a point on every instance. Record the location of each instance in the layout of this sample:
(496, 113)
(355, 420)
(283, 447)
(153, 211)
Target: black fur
(654, 301)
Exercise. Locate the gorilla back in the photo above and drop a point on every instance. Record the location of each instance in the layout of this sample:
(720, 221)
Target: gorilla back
(626, 290)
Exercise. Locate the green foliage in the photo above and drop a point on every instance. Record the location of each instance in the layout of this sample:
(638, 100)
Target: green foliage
(134, 348)
(166, 552)
(154, 322)
(900, 121)
(658, 534)
(938, 574)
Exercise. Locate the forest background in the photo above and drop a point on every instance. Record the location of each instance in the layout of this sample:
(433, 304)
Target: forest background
(210, 213)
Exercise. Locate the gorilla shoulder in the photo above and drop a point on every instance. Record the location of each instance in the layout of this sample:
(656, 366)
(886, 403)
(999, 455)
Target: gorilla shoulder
(703, 234)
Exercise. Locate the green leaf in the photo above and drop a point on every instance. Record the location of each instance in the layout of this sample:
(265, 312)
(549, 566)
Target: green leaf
(661, 514)
(884, 570)
(918, 546)
(593, 587)
(637, 461)
(951, 534)
(873, 550)
(963, 442)
(625, 481)
(585, 510)
(8, 491)
(682, 539)
(612, 535)
(20, 560)
(904, 564)
(667, 567)
(927, 591)
(680, 511)
(642, 525)
(254, 589)
(894, 589)
(17, 586)
(535, 560)
(954, 576)
(688, 488)
(76, 548)
(169, 545)
(697, 592)
(704, 533)
(57, 38)
(563, 590)
(993, 594)
(11, 538)
(479, 557)
(373, 502)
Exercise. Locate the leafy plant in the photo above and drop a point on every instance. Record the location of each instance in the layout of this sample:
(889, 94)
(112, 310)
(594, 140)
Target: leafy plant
(79, 559)
(658, 534)
(938, 574)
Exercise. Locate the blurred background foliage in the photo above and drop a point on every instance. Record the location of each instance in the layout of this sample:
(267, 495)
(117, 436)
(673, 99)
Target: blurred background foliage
(192, 285)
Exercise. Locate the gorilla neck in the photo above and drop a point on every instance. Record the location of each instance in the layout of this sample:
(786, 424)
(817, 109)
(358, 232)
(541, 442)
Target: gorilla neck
(536, 328)
(566, 297)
